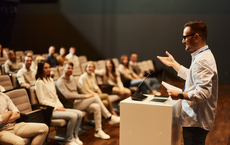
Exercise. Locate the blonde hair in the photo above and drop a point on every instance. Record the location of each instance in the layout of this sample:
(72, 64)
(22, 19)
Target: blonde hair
(38, 58)
(90, 62)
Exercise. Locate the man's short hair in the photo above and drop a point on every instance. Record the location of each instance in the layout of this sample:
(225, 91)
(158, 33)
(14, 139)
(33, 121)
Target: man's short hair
(10, 52)
(27, 56)
(198, 27)
(132, 53)
(68, 63)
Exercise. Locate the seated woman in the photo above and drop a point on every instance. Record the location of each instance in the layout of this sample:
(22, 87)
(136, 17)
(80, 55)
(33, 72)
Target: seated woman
(11, 65)
(46, 94)
(88, 81)
(148, 86)
(112, 77)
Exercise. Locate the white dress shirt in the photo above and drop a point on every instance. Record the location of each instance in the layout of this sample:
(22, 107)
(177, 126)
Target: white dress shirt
(202, 86)
(73, 58)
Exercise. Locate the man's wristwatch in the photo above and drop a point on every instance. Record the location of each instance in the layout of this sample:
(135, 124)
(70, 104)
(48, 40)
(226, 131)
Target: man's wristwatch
(180, 95)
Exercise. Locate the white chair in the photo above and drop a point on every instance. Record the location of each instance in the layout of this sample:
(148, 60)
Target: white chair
(56, 73)
(5, 81)
(101, 64)
(76, 71)
(116, 62)
(3, 60)
(82, 59)
(28, 51)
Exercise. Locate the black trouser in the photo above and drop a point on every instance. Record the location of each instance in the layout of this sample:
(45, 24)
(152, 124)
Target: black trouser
(194, 135)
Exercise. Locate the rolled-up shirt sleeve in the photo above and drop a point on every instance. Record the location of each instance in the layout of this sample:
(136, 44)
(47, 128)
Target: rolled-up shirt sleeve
(20, 77)
(202, 79)
(183, 71)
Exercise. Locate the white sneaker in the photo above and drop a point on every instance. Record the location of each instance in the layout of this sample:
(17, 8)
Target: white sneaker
(102, 134)
(154, 92)
(78, 141)
(71, 143)
(114, 120)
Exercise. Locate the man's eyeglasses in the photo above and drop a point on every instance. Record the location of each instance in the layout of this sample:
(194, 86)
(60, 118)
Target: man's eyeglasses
(184, 37)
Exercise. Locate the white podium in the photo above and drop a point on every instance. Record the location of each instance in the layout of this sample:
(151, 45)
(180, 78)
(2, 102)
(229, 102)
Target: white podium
(149, 123)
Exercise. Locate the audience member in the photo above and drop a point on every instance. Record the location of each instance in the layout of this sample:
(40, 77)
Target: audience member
(2, 52)
(88, 81)
(132, 79)
(51, 58)
(11, 65)
(2, 89)
(38, 58)
(30, 54)
(12, 132)
(61, 58)
(26, 75)
(46, 93)
(112, 77)
(72, 57)
(133, 63)
(90, 102)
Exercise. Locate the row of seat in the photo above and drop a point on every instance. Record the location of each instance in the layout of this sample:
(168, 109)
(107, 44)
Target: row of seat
(24, 98)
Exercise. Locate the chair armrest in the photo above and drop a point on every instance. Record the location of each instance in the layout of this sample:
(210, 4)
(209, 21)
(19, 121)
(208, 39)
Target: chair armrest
(47, 112)
(33, 116)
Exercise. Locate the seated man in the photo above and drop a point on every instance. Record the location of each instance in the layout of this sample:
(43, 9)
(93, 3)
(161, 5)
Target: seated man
(11, 65)
(62, 58)
(90, 102)
(51, 58)
(26, 76)
(133, 63)
(72, 57)
(12, 132)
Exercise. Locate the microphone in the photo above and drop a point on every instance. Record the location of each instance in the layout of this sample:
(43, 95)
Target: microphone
(137, 96)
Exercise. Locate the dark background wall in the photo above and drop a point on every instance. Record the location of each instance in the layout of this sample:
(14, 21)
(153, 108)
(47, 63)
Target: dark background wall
(101, 29)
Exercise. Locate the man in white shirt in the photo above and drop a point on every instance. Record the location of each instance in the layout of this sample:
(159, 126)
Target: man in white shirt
(72, 57)
(133, 62)
(14, 133)
(26, 75)
(199, 98)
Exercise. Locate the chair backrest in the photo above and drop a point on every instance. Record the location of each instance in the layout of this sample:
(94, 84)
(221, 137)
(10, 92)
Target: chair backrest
(6, 82)
(20, 99)
(3, 60)
(76, 71)
(56, 73)
(116, 62)
(150, 65)
(143, 66)
(60, 70)
(82, 59)
(28, 51)
(101, 64)
(32, 95)
(44, 55)
(14, 80)
(19, 53)
(83, 65)
(3, 69)
(35, 56)
(6, 50)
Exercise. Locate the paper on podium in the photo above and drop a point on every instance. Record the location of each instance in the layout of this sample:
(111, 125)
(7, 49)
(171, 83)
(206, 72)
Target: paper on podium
(170, 87)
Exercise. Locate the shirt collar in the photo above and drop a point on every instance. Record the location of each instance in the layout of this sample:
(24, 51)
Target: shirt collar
(198, 50)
